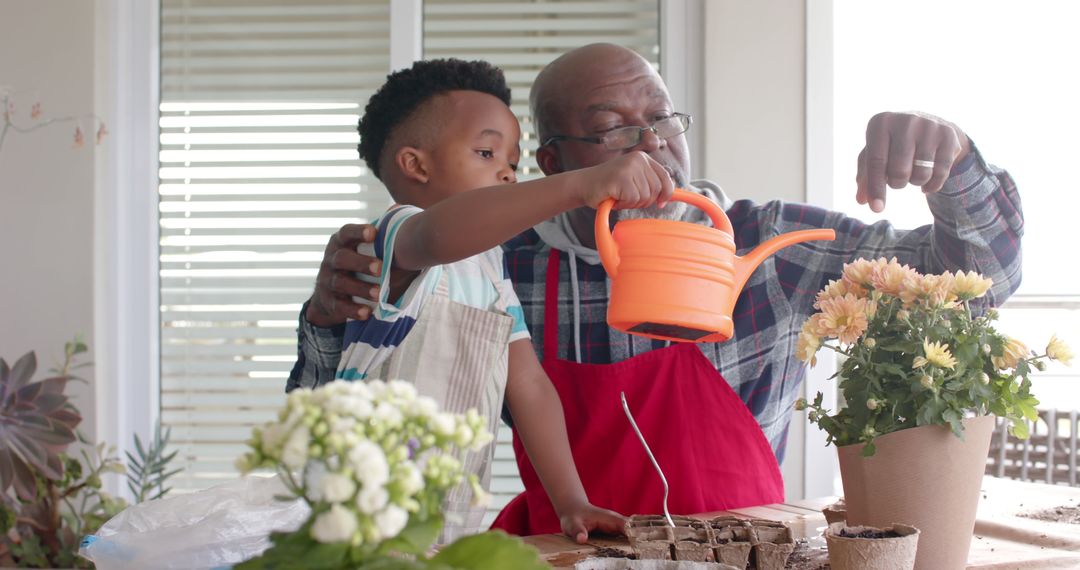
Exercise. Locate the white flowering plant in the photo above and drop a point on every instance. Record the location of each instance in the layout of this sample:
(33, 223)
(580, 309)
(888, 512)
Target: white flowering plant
(915, 353)
(374, 461)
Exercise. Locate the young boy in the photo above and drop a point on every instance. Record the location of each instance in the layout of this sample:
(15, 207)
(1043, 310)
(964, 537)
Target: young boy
(443, 140)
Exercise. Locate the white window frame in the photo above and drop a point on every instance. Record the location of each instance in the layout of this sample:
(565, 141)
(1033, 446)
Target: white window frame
(126, 292)
(126, 288)
(682, 66)
(820, 466)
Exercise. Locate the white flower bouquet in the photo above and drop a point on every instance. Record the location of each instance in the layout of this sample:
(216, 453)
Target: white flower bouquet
(915, 353)
(374, 461)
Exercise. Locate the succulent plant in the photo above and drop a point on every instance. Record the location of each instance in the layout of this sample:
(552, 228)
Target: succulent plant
(37, 423)
(50, 475)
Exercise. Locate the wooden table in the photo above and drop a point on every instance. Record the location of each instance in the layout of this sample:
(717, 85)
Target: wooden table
(1002, 539)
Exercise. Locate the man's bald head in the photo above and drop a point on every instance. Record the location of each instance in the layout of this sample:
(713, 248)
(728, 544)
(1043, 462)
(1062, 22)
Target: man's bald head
(579, 69)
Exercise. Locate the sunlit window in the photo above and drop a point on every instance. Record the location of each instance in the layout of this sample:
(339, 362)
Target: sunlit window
(1005, 72)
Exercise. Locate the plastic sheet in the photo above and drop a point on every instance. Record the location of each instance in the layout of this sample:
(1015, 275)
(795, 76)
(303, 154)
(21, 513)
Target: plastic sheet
(209, 529)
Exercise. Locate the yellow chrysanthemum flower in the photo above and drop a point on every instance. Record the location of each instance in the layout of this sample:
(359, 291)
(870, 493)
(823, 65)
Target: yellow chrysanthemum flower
(807, 347)
(891, 277)
(838, 288)
(858, 272)
(1059, 351)
(1015, 351)
(970, 285)
(934, 290)
(813, 326)
(844, 318)
(936, 353)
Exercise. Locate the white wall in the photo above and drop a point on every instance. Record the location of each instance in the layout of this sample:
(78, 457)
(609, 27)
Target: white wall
(754, 98)
(47, 187)
(755, 72)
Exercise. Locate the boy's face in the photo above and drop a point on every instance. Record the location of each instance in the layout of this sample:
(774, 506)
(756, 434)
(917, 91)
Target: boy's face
(477, 144)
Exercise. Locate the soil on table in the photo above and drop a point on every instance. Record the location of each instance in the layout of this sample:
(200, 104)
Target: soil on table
(806, 558)
(1063, 514)
(868, 534)
(608, 552)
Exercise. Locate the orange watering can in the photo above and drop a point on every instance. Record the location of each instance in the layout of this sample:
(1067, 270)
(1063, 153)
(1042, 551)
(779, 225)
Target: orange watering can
(679, 281)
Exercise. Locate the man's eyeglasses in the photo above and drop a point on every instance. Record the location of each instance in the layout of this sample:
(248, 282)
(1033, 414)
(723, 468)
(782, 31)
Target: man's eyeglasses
(623, 138)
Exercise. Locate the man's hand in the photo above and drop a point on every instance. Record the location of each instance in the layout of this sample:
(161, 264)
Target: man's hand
(587, 517)
(336, 284)
(907, 148)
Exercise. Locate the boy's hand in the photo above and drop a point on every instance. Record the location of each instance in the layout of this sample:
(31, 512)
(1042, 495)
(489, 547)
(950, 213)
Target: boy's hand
(577, 522)
(634, 180)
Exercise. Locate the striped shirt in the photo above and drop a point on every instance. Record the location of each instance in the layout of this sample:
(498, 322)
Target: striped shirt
(480, 281)
(977, 226)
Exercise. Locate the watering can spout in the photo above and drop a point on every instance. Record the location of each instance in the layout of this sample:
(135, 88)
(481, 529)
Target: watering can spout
(745, 265)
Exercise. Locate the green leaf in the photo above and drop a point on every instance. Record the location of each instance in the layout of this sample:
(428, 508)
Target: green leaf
(416, 538)
(287, 549)
(1020, 429)
(869, 450)
(394, 564)
(326, 555)
(492, 550)
(1028, 410)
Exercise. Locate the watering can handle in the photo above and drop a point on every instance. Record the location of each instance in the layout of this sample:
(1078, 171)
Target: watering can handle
(605, 244)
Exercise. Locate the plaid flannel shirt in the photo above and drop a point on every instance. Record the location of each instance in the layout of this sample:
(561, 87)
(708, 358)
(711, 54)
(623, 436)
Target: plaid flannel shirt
(978, 224)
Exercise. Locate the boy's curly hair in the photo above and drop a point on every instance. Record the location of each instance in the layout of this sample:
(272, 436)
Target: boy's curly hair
(406, 90)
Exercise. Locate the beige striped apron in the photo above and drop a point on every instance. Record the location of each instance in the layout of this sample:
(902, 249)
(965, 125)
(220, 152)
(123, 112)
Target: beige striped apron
(457, 355)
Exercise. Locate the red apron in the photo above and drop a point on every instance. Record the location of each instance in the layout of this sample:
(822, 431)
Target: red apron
(711, 449)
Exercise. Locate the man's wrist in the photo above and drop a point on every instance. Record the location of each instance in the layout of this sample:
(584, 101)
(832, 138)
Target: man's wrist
(965, 172)
(314, 327)
(316, 316)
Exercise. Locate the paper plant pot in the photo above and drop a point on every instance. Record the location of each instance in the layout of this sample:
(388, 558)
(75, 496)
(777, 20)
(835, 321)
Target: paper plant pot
(835, 512)
(693, 540)
(650, 537)
(731, 541)
(925, 477)
(847, 553)
(773, 544)
(624, 564)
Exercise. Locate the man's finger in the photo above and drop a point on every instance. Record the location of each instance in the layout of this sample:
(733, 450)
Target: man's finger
(344, 284)
(877, 158)
(943, 162)
(348, 260)
(860, 178)
(350, 235)
(901, 155)
(345, 308)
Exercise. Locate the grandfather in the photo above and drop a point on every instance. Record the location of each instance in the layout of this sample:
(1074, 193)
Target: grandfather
(715, 414)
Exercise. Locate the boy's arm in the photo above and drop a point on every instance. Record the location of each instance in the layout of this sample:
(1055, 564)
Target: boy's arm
(538, 419)
(471, 222)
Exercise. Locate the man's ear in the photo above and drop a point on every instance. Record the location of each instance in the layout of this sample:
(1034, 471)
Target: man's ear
(412, 162)
(548, 160)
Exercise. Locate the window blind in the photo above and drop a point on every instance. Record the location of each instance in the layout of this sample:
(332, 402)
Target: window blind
(259, 105)
(521, 38)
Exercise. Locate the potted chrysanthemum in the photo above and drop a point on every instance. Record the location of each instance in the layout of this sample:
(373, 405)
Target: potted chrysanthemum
(374, 462)
(924, 374)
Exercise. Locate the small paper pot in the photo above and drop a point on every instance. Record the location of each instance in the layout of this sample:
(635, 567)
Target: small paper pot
(693, 540)
(650, 536)
(850, 553)
(773, 544)
(836, 512)
(731, 541)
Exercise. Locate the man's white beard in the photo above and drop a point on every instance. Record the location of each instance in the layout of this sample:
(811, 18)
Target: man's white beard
(673, 211)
